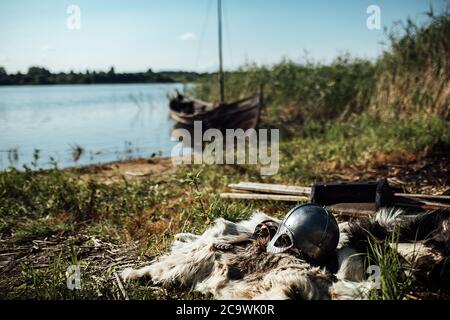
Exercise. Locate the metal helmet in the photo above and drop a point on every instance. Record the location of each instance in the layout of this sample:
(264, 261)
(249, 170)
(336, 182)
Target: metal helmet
(309, 228)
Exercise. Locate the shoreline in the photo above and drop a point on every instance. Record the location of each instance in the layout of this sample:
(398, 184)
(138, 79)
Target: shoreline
(134, 168)
(117, 170)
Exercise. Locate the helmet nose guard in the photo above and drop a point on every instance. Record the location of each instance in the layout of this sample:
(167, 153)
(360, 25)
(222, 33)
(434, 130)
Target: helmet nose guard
(311, 229)
(283, 230)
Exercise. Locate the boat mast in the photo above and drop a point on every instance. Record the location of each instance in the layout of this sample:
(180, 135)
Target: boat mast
(221, 77)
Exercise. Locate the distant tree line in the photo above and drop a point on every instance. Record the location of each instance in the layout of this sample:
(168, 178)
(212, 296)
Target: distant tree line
(39, 75)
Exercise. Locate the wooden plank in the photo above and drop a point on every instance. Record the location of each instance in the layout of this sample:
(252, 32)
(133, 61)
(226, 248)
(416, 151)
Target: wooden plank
(423, 196)
(271, 197)
(272, 188)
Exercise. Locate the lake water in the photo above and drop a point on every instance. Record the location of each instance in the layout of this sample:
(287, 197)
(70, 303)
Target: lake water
(109, 122)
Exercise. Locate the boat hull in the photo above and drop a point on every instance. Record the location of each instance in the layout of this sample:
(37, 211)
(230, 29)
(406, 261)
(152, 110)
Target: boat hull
(242, 114)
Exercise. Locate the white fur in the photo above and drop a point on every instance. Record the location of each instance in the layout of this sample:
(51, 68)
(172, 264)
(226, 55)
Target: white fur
(343, 238)
(351, 290)
(388, 217)
(192, 263)
(351, 265)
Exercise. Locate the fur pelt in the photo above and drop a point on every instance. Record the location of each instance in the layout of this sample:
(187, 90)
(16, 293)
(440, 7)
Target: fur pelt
(247, 271)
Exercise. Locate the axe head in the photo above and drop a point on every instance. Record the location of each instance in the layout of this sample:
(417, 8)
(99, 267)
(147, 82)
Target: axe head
(378, 193)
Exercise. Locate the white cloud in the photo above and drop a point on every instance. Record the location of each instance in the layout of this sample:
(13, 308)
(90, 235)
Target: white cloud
(187, 36)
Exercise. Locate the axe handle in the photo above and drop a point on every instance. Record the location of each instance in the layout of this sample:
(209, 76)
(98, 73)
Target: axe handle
(422, 196)
(420, 204)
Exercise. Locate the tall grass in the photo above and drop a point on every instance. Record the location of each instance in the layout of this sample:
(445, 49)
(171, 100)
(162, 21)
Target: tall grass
(298, 93)
(410, 79)
(395, 279)
(413, 77)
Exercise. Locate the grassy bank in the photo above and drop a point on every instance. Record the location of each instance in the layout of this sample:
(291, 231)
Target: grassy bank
(410, 78)
(352, 115)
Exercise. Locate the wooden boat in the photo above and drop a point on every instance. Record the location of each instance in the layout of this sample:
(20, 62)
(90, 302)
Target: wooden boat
(241, 114)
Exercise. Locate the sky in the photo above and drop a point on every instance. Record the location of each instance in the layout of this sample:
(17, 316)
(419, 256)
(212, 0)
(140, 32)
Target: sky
(136, 35)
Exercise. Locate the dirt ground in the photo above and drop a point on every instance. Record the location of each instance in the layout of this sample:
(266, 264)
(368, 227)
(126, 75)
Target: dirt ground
(133, 169)
(428, 173)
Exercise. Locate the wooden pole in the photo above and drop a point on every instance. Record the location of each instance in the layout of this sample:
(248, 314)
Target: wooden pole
(221, 76)
(269, 197)
(271, 188)
(423, 196)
